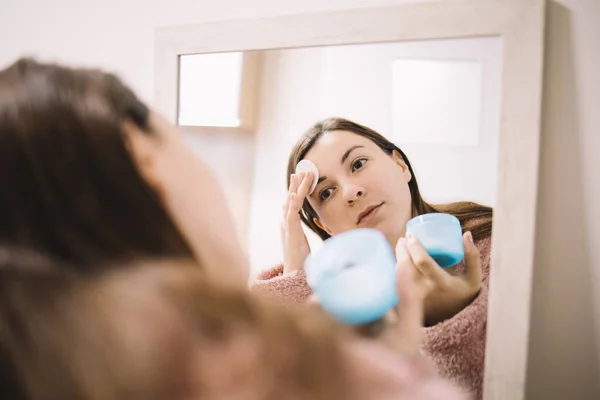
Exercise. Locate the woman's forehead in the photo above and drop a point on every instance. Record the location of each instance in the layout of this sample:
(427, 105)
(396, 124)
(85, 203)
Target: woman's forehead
(335, 143)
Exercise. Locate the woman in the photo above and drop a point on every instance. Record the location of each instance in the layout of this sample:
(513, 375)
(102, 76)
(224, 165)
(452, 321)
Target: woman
(147, 331)
(97, 181)
(367, 181)
(92, 176)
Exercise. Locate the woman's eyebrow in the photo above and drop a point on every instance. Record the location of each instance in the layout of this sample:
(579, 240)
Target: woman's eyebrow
(344, 158)
(347, 153)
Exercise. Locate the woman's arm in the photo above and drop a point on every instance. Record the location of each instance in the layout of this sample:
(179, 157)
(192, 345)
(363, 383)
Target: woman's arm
(287, 288)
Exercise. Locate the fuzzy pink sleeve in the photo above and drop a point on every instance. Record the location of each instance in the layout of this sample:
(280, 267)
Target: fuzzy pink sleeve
(457, 346)
(290, 288)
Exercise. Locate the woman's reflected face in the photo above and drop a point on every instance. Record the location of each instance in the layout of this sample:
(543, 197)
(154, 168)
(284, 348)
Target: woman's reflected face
(360, 186)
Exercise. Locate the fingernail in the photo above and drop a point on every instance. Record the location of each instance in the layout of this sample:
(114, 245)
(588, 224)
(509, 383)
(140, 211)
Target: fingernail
(470, 237)
(410, 237)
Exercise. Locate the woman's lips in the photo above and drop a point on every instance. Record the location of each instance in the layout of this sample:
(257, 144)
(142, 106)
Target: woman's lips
(368, 214)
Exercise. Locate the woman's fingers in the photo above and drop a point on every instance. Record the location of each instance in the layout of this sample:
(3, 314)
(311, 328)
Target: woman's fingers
(423, 261)
(295, 244)
(294, 183)
(472, 260)
(296, 198)
(411, 293)
(403, 259)
(404, 326)
(293, 225)
(305, 186)
(410, 309)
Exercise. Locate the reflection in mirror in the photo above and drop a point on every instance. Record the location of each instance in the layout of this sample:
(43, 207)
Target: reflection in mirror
(211, 93)
(219, 90)
(437, 101)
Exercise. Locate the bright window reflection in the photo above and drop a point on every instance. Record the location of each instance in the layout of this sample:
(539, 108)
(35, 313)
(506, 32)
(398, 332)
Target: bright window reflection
(209, 89)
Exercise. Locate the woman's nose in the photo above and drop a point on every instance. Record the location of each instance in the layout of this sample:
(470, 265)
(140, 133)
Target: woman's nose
(352, 193)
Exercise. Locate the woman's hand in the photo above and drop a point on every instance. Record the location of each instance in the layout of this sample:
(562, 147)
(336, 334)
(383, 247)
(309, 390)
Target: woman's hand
(294, 242)
(402, 327)
(445, 295)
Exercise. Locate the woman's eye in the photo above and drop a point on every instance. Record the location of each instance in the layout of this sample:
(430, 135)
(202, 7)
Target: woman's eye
(325, 194)
(358, 164)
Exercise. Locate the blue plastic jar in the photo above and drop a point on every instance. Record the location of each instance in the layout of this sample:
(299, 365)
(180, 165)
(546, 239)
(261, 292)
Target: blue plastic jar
(440, 235)
(354, 276)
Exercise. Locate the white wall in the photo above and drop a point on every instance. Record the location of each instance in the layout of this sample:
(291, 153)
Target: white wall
(564, 351)
(290, 102)
(118, 34)
(231, 158)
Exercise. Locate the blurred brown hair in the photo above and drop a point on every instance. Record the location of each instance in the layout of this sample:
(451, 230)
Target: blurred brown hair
(71, 188)
(473, 217)
(149, 332)
(66, 337)
(248, 345)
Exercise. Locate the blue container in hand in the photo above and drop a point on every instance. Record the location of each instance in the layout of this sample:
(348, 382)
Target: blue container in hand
(354, 276)
(440, 235)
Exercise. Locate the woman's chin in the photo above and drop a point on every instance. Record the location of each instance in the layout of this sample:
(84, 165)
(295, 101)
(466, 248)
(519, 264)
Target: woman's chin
(392, 235)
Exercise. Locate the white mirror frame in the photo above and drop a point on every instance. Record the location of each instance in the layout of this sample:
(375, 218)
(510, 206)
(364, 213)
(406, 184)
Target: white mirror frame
(520, 24)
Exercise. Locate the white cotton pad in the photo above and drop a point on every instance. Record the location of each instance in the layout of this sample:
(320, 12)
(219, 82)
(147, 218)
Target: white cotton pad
(309, 166)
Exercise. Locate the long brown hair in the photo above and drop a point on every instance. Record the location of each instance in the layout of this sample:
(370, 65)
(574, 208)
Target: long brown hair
(66, 335)
(473, 217)
(289, 352)
(70, 187)
(146, 331)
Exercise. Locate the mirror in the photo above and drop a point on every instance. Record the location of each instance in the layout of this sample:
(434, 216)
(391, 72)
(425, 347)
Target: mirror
(438, 100)
(456, 85)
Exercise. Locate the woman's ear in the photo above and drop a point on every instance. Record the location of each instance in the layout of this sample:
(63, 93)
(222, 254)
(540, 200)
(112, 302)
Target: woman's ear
(402, 164)
(318, 223)
(140, 145)
(144, 152)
